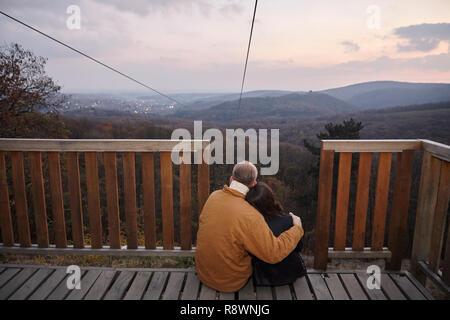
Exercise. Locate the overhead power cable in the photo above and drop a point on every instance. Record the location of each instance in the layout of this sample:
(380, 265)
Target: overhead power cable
(246, 59)
(91, 58)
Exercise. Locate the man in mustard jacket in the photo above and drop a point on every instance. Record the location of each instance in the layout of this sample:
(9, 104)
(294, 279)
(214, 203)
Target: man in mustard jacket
(230, 228)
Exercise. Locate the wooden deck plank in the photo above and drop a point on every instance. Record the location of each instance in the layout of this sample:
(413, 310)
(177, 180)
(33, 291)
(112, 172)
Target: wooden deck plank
(301, 289)
(156, 286)
(118, 289)
(264, 293)
(283, 293)
(7, 274)
(86, 283)
(40, 283)
(101, 285)
(407, 287)
(174, 286)
(191, 287)
(31, 284)
(319, 287)
(353, 287)
(374, 294)
(48, 285)
(247, 292)
(226, 296)
(390, 288)
(336, 288)
(207, 293)
(16, 282)
(137, 288)
(418, 285)
(61, 291)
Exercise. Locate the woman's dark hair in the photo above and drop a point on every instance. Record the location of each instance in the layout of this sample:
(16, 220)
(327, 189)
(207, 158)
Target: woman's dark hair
(262, 198)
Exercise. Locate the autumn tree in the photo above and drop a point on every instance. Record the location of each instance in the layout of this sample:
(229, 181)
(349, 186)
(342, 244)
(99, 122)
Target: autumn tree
(29, 98)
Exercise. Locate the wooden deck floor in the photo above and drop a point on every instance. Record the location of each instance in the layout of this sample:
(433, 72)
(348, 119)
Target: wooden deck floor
(20, 282)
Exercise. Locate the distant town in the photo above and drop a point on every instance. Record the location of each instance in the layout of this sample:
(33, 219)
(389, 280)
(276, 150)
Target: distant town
(141, 105)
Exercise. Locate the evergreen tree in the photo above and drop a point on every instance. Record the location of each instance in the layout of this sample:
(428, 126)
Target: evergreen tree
(348, 130)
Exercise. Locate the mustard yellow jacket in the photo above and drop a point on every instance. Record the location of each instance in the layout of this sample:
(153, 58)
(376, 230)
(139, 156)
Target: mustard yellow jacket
(229, 229)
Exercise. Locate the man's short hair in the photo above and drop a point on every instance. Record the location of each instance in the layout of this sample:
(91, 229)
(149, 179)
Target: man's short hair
(245, 172)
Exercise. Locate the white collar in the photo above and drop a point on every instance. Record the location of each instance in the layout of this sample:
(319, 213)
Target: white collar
(242, 188)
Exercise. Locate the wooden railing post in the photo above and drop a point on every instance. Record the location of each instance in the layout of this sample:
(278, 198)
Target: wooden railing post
(148, 183)
(129, 186)
(342, 199)
(362, 201)
(203, 179)
(323, 209)
(381, 200)
(93, 196)
(38, 195)
(167, 199)
(400, 206)
(426, 205)
(185, 206)
(73, 177)
(440, 217)
(5, 211)
(112, 198)
(20, 198)
(446, 266)
(54, 173)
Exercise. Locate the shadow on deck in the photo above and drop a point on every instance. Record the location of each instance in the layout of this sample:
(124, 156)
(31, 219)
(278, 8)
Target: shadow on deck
(27, 282)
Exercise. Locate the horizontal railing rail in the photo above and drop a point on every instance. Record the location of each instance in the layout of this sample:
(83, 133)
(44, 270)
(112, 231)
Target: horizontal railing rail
(99, 145)
(45, 170)
(333, 206)
(356, 146)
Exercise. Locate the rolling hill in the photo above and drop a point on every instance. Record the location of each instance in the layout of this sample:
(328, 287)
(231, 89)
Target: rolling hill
(290, 106)
(215, 99)
(384, 94)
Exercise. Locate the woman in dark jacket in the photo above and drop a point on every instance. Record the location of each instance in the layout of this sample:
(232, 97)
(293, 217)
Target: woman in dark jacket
(292, 267)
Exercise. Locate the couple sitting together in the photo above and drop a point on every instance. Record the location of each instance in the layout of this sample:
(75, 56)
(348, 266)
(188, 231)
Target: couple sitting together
(243, 232)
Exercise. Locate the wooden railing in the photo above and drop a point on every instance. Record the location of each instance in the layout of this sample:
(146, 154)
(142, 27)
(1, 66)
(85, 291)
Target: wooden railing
(333, 239)
(432, 218)
(431, 208)
(95, 152)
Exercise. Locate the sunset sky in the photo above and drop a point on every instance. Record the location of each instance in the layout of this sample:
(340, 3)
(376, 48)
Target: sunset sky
(200, 45)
